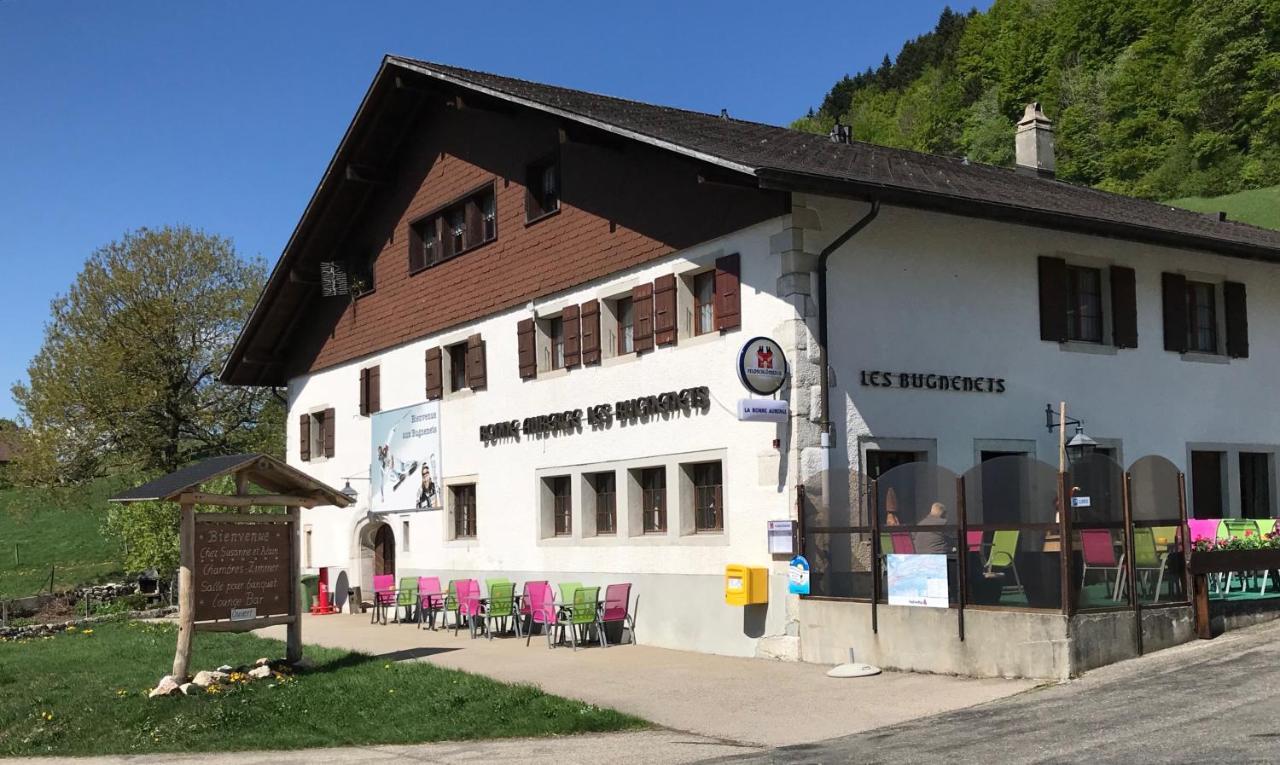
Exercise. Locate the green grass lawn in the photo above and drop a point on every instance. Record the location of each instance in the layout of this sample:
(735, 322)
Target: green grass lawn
(58, 528)
(1260, 207)
(79, 694)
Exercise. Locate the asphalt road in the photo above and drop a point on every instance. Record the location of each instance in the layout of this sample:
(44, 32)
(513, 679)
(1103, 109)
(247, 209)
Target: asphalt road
(1204, 702)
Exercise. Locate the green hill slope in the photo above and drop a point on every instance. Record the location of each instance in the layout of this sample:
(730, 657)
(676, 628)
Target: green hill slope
(59, 529)
(1153, 98)
(1260, 207)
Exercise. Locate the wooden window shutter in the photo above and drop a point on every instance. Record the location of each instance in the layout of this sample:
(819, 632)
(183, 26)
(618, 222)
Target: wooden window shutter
(572, 337)
(435, 374)
(304, 436)
(330, 423)
(642, 305)
(1174, 293)
(1124, 307)
(477, 369)
(417, 254)
(1237, 319)
(590, 315)
(527, 345)
(375, 389)
(364, 393)
(728, 301)
(475, 222)
(1053, 299)
(664, 310)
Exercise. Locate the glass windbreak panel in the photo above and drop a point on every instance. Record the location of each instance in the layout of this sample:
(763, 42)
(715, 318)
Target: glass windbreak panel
(1159, 538)
(839, 564)
(1095, 492)
(916, 504)
(1012, 548)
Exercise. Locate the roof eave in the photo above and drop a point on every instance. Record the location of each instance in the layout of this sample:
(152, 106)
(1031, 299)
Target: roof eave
(789, 180)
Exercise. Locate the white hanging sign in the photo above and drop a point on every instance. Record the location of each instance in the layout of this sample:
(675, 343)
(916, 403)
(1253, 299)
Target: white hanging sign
(762, 366)
(763, 410)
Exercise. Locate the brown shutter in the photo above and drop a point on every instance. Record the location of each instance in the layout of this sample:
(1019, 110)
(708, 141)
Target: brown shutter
(417, 255)
(330, 422)
(364, 393)
(590, 332)
(664, 310)
(572, 337)
(435, 374)
(1174, 289)
(1237, 317)
(642, 306)
(477, 369)
(304, 433)
(375, 389)
(1053, 299)
(475, 223)
(728, 304)
(527, 345)
(1124, 307)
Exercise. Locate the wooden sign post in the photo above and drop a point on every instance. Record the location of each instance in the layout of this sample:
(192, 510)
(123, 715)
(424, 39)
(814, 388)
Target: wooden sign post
(238, 571)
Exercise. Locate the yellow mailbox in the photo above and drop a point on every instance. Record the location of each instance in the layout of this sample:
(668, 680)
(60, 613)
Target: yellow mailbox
(745, 585)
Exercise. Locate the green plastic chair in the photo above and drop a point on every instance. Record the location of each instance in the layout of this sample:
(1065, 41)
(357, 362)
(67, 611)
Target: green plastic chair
(582, 616)
(489, 583)
(450, 604)
(1237, 527)
(566, 591)
(1147, 558)
(501, 606)
(1004, 549)
(407, 595)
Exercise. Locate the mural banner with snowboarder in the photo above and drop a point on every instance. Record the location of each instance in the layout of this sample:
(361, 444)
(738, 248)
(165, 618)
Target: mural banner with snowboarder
(404, 471)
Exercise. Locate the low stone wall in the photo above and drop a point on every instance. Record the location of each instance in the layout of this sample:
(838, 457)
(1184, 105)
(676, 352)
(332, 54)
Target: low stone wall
(29, 631)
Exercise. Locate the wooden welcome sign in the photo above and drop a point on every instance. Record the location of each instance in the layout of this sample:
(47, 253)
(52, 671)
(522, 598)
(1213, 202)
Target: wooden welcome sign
(238, 571)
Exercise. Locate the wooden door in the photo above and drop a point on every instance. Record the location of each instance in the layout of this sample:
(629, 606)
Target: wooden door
(384, 551)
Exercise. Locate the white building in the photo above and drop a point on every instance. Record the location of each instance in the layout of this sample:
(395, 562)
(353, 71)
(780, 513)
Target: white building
(525, 251)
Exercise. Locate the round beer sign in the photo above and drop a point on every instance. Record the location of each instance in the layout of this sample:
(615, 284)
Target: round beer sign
(762, 367)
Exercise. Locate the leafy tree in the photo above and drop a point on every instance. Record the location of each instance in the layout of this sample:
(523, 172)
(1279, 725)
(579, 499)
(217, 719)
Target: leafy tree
(126, 379)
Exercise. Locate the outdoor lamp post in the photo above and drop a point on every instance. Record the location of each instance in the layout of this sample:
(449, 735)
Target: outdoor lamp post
(349, 491)
(1080, 446)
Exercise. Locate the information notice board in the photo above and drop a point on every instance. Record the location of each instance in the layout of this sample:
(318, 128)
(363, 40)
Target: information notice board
(242, 569)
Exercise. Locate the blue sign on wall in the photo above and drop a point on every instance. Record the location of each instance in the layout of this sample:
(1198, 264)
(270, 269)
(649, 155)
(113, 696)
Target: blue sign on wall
(798, 576)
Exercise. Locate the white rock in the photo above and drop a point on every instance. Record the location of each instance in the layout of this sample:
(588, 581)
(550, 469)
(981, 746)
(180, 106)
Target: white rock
(188, 689)
(225, 668)
(264, 661)
(259, 673)
(166, 687)
(205, 678)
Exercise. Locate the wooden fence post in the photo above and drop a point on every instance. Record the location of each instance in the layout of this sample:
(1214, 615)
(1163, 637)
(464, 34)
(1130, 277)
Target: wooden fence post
(293, 643)
(186, 592)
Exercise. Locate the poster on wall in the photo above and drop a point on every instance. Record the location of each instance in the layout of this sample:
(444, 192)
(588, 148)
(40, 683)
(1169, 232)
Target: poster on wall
(918, 580)
(404, 468)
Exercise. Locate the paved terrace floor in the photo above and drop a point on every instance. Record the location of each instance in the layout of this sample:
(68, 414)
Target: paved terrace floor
(745, 701)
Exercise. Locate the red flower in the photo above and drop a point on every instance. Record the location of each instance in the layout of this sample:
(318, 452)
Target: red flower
(1248, 533)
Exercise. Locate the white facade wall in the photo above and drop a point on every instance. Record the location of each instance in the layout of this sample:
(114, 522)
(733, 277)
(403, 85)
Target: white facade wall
(677, 577)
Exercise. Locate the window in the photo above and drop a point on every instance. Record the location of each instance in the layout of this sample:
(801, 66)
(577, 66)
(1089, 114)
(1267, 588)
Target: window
(464, 510)
(653, 498)
(704, 297)
(457, 366)
(460, 226)
(1255, 485)
(317, 434)
(708, 493)
(555, 334)
(542, 189)
(605, 486)
(1202, 317)
(561, 505)
(1207, 484)
(404, 535)
(1084, 304)
(625, 313)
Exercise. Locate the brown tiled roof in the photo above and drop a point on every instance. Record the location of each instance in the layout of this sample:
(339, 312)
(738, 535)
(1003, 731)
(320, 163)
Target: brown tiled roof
(784, 158)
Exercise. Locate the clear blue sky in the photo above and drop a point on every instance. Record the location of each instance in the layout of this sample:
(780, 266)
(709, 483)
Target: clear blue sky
(222, 115)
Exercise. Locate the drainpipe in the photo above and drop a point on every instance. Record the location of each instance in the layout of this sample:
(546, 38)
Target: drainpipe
(823, 353)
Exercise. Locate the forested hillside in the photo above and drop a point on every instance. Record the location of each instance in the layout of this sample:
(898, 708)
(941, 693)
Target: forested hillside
(1153, 98)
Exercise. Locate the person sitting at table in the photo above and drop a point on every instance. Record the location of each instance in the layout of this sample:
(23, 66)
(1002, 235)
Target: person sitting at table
(938, 542)
(891, 508)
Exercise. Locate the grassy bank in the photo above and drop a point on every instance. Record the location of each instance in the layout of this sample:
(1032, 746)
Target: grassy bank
(54, 528)
(79, 694)
(1260, 207)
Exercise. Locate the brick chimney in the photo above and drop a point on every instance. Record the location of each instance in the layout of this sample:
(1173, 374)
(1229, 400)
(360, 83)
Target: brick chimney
(1034, 143)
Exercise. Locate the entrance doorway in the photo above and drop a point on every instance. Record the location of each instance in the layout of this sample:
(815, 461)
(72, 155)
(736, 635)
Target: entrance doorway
(384, 551)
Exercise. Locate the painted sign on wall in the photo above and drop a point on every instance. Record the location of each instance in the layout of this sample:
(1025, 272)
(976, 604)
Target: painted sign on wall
(918, 580)
(404, 469)
(242, 568)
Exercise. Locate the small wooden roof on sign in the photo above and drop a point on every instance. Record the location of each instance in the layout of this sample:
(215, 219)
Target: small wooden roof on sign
(260, 469)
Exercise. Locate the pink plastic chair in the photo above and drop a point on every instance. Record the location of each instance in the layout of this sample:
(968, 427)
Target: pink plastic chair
(974, 540)
(902, 544)
(538, 606)
(1203, 528)
(1099, 553)
(384, 596)
(468, 604)
(430, 600)
(617, 602)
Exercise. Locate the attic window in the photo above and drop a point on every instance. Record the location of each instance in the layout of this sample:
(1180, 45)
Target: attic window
(458, 227)
(542, 189)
